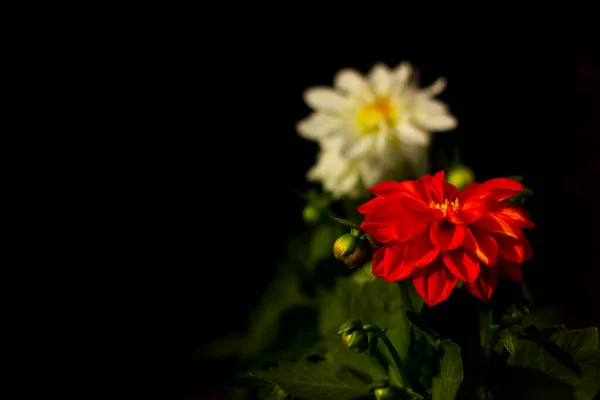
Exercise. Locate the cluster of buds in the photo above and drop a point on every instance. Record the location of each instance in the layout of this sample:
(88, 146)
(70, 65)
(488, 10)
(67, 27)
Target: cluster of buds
(359, 338)
(352, 248)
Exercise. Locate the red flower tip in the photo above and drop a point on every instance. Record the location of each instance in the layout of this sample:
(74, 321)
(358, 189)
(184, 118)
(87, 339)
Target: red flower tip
(435, 234)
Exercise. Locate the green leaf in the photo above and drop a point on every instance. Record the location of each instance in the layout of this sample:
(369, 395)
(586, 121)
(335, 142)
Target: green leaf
(335, 306)
(509, 339)
(336, 352)
(282, 294)
(316, 381)
(345, 222)
(450, 375)
(568, 356)
(363, 274)
(385, 304)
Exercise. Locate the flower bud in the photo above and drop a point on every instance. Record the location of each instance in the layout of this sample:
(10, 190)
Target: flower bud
(372, 344)
(460, 176)
(351, 249)
(358, 341)
(388, 393)
(280, 394)
(311, 214)
(350, 326)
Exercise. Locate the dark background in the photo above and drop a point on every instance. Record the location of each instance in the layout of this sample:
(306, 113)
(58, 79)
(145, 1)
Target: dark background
(526, 97)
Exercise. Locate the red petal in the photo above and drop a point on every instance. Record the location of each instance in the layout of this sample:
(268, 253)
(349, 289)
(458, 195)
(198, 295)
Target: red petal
(394, 189)
(420, 251)
(496, 223)
(416, 204)
(510, 270)
(516, 214)
(387, 265)
(379, 208)
(434, 283)
(461, 264)
(438, 183)
(417, 226)
(386, 220)
(510, 249)
(399, 273)
(453, 217)
(497, 189)
(446, 235)
(429, 192)
(449, 191)
(471, 210)
(482, 244)
(484, 286)
(467, 192)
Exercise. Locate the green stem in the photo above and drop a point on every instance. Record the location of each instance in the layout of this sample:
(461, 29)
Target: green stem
(487, 345)
(397, 360)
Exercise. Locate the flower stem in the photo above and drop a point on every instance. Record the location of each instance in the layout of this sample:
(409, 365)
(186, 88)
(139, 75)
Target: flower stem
(397, 360)
(487, 344)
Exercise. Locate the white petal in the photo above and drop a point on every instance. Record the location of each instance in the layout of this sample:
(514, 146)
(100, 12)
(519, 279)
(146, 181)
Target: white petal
(370, 173)
(400, 76)
(381, 141)
(380, 79)
(429, 105)
(349, 184)
(434, 121)
(358, 147)
(326, 162)
(318, 125)
(352, 83)
(334, 142)
(435, 88)
(412, 135)
(326, 99)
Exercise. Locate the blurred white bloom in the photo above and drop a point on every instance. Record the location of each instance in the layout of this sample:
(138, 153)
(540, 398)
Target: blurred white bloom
(369, 127)
(351, 177)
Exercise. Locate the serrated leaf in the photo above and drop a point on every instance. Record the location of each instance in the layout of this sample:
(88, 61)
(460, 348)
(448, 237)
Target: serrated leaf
(450, 374)
(385, 305)
(510, 340)
(316, 381)
(567, 356)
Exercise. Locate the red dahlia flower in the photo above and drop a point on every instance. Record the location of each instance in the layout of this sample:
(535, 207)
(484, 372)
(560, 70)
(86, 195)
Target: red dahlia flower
(434, 234)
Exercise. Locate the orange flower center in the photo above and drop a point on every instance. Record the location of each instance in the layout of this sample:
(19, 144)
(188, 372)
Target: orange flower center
(373, 116)
(444, 205)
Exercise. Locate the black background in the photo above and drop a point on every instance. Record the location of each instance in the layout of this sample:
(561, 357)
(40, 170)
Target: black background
(525, 94)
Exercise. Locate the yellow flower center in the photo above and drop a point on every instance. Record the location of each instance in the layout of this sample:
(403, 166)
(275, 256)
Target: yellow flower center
(372, 116)
(444, 205)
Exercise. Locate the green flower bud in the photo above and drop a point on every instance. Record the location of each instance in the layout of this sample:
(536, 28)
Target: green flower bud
(280, 394)
(388, 393)
(311, 214)
(460, 176)
(372, 344)
(358, 341)
(351, 249)
(350, 326)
